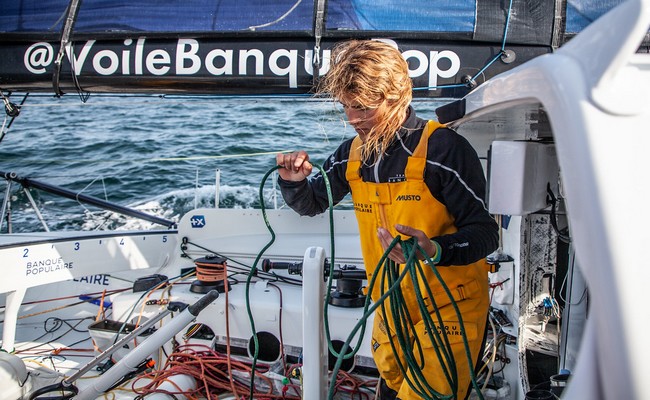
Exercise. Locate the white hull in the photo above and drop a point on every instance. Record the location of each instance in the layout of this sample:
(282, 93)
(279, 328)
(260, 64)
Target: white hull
(588, 108)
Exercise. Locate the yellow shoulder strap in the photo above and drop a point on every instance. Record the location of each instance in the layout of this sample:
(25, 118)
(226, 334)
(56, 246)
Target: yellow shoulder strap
(415, 165)
(354, 161)
(417, 161)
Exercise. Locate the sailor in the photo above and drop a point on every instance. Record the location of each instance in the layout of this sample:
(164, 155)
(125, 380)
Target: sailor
(417, 179)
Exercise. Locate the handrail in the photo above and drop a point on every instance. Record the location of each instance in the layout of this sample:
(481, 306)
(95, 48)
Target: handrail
(63, 192)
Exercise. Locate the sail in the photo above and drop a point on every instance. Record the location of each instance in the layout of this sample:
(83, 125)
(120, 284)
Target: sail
(240, 47)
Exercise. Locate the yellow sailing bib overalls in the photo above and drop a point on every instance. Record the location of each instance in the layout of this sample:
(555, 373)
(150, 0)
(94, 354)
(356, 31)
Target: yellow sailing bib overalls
(411, 203)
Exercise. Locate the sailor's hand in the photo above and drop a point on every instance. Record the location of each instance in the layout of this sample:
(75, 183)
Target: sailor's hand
(397, 254)
(295, 166)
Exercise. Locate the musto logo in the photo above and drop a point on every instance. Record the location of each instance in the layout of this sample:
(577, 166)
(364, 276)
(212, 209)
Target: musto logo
(188, 57)
(408, 197)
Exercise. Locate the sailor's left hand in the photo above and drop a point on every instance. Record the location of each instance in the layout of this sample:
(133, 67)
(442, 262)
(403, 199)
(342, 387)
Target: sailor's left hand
(397, 254)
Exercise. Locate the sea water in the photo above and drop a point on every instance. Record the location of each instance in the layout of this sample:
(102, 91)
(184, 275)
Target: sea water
(159, 154)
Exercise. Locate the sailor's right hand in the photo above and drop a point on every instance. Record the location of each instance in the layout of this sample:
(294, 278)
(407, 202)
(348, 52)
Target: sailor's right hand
(295, 166)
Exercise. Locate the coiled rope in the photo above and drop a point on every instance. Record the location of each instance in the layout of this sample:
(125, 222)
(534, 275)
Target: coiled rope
(392, 276)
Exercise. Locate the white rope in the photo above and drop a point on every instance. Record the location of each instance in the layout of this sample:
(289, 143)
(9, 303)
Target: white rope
(164, 158)
(277, 20)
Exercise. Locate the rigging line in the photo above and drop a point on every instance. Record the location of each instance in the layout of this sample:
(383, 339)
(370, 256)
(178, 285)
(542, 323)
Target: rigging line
(19, 107)
(66, 33)
(61, 17)
(567, 301)
(252, 272)
(505, 30)
(439, 340)
(176, 96)
(12, 111)
(3, 132)
(411, 249)
(256, 96)
(244, 268)
(169, 100)
(58, 323)
(471, 80)
(319, 21)
(282, 354)
(367, 310)
(252, 28)
(83, 95)
(56, 308)
(492, 359)
(86, 187)
(452, 85)
(161, 159)
(111, 292)
(503, 46)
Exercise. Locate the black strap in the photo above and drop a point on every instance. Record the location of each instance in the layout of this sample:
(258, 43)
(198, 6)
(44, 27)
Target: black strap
(553, 201)
(66, 33)
(64, 392)
(320, 10)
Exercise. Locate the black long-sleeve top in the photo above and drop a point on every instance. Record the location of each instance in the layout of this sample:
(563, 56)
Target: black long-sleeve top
(453, 174)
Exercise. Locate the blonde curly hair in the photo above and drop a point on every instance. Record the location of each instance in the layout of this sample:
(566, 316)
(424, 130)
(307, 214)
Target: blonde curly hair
(373, 75)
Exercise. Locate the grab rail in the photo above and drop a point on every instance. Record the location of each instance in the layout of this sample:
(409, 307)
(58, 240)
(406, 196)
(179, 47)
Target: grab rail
(107, 205)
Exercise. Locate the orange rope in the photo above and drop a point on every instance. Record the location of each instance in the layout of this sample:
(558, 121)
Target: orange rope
(210, 369)
(144, 301)
(68, 297)
(100, 312)
(210, 272)
(213, 374)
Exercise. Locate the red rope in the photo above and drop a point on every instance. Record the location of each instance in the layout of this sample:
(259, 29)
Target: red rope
(211, 371)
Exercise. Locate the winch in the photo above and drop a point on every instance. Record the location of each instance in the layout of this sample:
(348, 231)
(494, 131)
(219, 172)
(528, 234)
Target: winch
(211, 274)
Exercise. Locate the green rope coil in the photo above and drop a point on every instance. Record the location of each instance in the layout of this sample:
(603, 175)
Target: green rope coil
(391, 277)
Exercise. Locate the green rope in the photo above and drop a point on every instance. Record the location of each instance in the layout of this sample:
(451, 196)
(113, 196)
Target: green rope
(344, 355)
(414, 360)
(252, 273)
(392, 277)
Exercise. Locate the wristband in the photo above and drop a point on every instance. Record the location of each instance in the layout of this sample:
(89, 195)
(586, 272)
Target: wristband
(435, 258)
